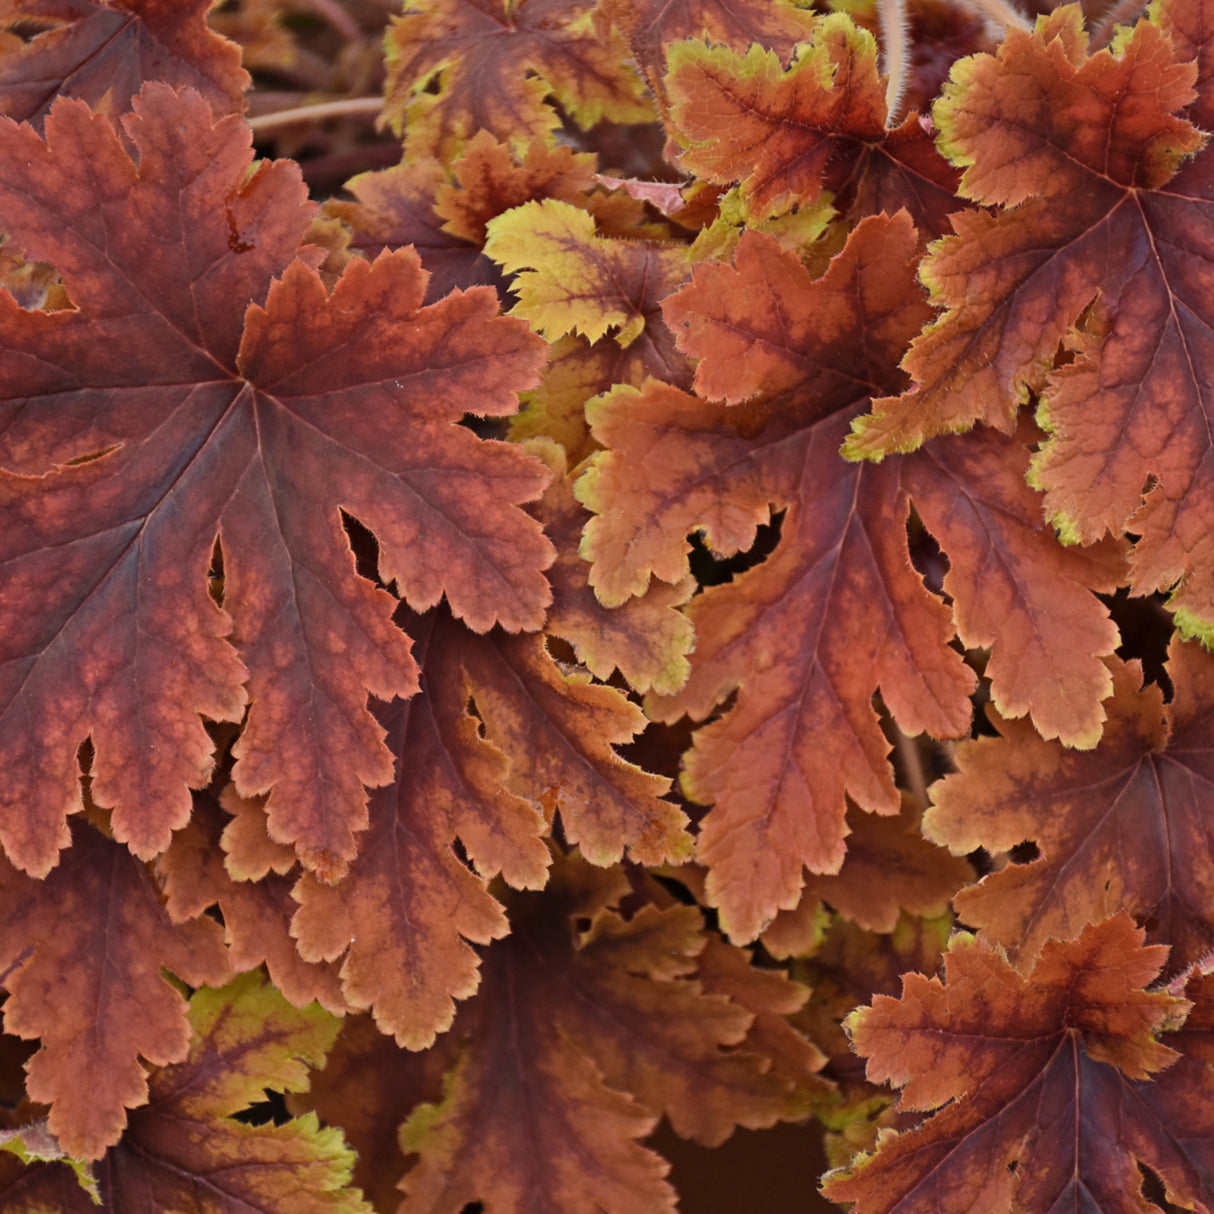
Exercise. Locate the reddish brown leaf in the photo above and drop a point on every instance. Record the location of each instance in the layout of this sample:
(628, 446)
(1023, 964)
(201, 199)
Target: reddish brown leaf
(1039, 1078)
(559, 731)
(1122, 827)
(144, 423)
(494, 64)
(1100, 247)
(82, 957)
(183, 1151)
(646, 638)
(835, 612)
(256, 913)
(581, 1036)
(889, 868)
(368, 1087)
(788, 133)
(651, 26)
(104, 51)
(404, 914)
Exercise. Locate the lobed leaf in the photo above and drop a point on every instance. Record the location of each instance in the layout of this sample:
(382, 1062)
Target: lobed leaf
(1121, 828)
(82, 960)
(495, 63)
(1098, 250)
(807, 636)
(167, 409)
(569, 280)
(577, 1040)
(790, 133)
(1038, 1075)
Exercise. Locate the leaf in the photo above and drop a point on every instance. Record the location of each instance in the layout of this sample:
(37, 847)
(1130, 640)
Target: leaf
(790, 133)
(144, 423)
(569, 280)
(1038, 1075)
(402, 918)
(647, 638)
(36, 1144)
(104, 51)
(807, 635)
(494, 64)
(889, 868)
(579, 1038)
(185, 1150)
(559, 731)
(256, 913)
(82, 958)
(1120, 828)
(445, 221)
(650, 26)
(1098, 247)
(368, 1087)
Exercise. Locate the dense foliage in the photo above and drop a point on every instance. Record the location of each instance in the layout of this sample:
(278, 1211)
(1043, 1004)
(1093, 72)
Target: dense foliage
(563, 568)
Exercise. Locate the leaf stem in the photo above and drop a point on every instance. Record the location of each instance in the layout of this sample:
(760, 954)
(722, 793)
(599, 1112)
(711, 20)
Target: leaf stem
(337, 17)
(356, 107)
(912, 765)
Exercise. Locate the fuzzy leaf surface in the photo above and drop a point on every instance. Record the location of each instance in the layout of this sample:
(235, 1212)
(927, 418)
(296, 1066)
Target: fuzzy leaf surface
(191, 396)
(1039, 1076)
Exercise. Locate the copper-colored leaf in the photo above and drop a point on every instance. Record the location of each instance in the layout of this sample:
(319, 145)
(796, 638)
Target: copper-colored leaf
(256, 913)
(788, 133)
(82, 955)
(836, 611)
(1040, 1078)
(581, 1036)
(646, 638)
(559, 731)
(889, 868)
(104, 51)
(402, 918)
(1099, 245)
(188, 395)
(1123, 827)
(494, 64)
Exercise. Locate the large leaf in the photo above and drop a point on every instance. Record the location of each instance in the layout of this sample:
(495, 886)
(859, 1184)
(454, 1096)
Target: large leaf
(189, 396)
(1122, 827)
(836, 612)
(587, 1027)
(1039, 1078)
(82, 959)
(1100, 244)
